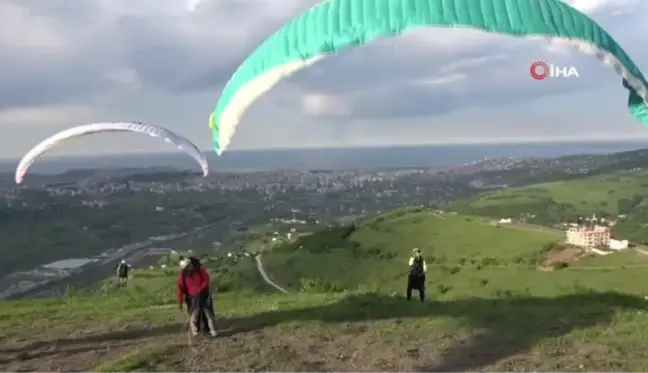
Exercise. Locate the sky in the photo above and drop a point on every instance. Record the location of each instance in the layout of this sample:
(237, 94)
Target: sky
(70, 62)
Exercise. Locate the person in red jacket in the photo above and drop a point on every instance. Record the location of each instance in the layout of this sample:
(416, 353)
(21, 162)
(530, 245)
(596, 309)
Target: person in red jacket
(193, 288)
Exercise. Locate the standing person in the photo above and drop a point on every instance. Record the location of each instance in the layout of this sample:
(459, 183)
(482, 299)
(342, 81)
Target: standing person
(122, 272)
(416, 278)
(194, 291)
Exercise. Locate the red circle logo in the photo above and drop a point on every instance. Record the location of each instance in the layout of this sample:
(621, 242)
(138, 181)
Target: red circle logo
(539, 70)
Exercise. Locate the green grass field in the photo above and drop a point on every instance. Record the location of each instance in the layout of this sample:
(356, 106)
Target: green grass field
(589, 195)
(379, 262)
(489, 308)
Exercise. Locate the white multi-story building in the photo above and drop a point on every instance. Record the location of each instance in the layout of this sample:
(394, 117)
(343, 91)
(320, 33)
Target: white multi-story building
(588, 236)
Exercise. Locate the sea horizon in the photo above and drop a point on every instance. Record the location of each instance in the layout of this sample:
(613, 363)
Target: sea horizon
(331, 158)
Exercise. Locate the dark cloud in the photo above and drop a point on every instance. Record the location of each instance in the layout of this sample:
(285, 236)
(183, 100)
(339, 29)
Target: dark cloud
(168, 52)
(165, 59)
(47, 81)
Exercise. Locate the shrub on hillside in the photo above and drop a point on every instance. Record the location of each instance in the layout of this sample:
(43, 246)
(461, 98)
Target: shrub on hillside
(551, 246)
(627, 205)
(504, 294)
(546, 210)
(147, 274)
(443, 289)
(378, 220)
(318, 285)
(323, 241)
(485, 262)
(223, 287)
(388, 256)
(374, 251)
(382, 228)
(560, 265)
(404, 211)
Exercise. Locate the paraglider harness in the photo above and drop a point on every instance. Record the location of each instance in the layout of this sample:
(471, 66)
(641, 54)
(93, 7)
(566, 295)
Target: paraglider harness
(203, 325)
(122, 270)
(416, 270)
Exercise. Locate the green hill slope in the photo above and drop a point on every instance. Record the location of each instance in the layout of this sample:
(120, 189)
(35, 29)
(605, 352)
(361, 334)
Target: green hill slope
(588, 195)
(490, 308)
(374, 254)
(608, 195)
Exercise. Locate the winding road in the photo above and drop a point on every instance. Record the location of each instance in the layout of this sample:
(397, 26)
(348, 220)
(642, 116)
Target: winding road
(265, 277)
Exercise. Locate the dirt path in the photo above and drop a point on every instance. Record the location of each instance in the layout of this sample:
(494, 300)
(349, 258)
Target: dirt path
(641, 251)
(521, 227)
(81, 348)
(265, 276)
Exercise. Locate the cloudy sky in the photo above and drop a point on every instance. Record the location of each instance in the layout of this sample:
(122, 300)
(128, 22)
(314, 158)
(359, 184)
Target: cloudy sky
(69, 62)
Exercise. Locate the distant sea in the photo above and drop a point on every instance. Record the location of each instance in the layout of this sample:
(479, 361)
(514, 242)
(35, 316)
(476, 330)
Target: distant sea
(331, 159)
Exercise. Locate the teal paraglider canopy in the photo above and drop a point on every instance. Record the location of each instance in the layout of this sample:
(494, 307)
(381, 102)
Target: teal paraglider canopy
(334, 25)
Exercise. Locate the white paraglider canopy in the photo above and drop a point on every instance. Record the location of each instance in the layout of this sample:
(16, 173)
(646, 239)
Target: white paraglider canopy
(169, 136)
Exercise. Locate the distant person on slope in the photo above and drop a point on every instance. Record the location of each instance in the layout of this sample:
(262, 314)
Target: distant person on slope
(122, 272)
(416, 278)
(194, 291)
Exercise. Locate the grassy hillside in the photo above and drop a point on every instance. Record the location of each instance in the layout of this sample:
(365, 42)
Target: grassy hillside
(344, 332)
(490, 308)
(374, 254)
(594, 194)
(466, 256)
(608, 195)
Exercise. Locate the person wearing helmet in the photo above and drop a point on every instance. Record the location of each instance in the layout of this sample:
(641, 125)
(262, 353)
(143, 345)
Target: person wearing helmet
(416, 278)
(193, 290)
(122, 272)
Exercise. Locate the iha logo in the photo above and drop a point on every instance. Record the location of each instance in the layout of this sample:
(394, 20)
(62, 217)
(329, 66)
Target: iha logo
(540, 70)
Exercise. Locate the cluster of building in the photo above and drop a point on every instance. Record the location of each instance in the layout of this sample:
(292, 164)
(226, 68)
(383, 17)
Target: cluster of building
(594, 237)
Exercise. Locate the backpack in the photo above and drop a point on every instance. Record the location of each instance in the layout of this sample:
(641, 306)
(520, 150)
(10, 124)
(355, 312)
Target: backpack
(122, 269)
(417, 267)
